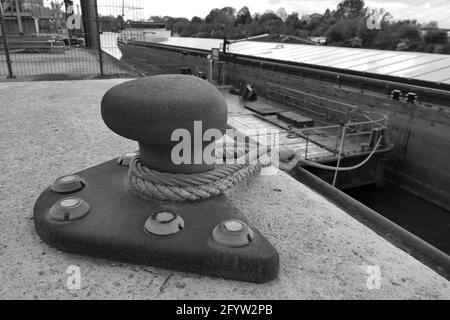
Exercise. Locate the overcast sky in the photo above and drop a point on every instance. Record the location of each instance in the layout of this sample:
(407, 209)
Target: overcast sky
(423, 10)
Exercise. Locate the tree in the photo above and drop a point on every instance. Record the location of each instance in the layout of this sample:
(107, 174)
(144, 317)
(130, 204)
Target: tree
(269, 16)
(367, 35)
(254, 28)
(213, 16)
(181, 27)
(342, 31)
(351, 9)
(293, 21)
(411, 34)
(313, 21)
(230, 12)
(222, 16)
(281, 12)
(387, 38)
(244, 16)
(197, 20)
(346, 25)
(270, 22)
(436, 36)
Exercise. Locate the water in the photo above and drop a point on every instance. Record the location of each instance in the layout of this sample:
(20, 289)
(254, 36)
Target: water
(422, 218)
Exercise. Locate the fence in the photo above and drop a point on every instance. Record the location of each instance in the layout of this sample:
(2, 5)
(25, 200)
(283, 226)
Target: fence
(45, 39)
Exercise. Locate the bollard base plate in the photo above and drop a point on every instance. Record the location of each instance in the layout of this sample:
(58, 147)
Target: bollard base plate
(114, 229)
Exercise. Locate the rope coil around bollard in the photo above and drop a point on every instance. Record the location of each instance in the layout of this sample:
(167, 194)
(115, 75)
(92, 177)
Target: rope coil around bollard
(151, 184)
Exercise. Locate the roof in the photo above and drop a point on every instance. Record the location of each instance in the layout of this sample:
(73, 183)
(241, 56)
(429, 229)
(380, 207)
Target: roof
(409, 65)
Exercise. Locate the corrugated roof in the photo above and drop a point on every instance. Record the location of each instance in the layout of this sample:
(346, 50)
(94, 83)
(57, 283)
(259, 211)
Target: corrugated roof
(410, 65)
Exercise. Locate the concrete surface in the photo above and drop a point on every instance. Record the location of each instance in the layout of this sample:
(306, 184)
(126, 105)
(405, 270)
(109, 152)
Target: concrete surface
(48, 129)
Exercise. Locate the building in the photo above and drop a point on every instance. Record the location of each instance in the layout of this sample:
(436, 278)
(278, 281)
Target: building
(32, 17)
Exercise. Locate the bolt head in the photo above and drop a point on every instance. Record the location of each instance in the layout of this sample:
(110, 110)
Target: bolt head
(233, 234)
(68, 209)
(67, 179)
(164, 224)
(70, 202)
(131, 154)
(68, 184)
(165, 217)
(125, 159)
(233, 226)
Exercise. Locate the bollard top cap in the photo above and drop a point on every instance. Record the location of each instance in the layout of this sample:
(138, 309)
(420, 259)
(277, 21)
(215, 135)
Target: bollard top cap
(149, 109)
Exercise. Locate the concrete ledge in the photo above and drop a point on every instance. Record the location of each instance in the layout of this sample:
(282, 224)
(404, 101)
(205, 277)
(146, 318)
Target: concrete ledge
(408, 242)
(53, 128)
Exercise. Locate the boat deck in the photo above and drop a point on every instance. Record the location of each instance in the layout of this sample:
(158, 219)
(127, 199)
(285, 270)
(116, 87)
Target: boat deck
(312, 151)
(318, 144)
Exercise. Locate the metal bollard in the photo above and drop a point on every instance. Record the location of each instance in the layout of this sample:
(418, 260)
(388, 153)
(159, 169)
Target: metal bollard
(210, 237)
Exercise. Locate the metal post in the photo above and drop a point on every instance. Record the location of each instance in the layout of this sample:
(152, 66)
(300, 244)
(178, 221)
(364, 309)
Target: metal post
(100, 53)
(5, 43)
(307, 144)
(337, 141)
(210, 69)
(341, 150)
(36, 25)
(19, 17)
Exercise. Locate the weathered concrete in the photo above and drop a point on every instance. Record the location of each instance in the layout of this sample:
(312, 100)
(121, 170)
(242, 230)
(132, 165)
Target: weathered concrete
(53, 128)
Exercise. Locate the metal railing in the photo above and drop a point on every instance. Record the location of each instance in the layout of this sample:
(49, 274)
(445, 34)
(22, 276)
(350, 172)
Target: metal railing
(362, 128)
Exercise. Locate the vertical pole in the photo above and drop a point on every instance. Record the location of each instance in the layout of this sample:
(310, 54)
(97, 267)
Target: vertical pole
(19, 17)
(219, 73)
(100, 53)
(68, 4)
(5, 43)
(341, 150)
(337, 141)
(36, 25)
(307, 144)
(210, 69)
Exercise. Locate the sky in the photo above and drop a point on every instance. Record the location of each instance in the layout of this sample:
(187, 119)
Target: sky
(422, 10)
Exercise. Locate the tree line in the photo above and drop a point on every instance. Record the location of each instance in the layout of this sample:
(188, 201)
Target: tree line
(344, 26)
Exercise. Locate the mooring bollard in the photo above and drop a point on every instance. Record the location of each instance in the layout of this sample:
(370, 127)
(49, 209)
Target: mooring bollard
(138, 209)
(152, 109)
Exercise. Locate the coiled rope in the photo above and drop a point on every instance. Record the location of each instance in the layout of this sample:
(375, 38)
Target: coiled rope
(147, 183)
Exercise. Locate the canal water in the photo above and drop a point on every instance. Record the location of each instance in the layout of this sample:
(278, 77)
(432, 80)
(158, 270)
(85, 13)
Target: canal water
(420, 217)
